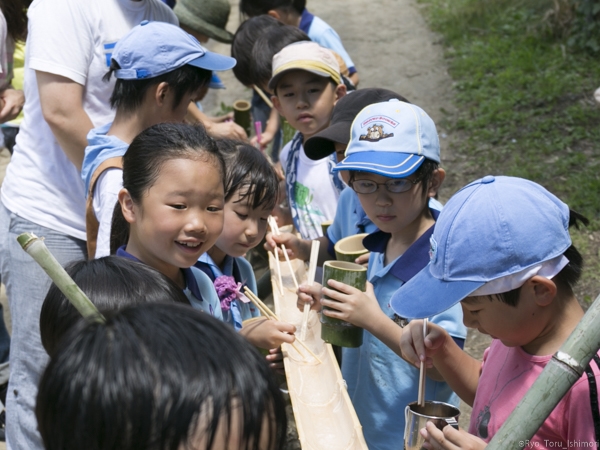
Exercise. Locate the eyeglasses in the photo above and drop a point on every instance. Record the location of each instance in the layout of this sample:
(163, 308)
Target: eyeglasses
(393, 186)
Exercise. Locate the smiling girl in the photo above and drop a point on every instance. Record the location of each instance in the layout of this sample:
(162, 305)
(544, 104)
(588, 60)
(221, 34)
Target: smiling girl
(172, 200)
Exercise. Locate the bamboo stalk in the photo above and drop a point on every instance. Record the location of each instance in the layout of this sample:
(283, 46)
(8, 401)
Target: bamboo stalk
(260, 92)
(312, 269)
(561, 372)
(40, 253)
(270, 314)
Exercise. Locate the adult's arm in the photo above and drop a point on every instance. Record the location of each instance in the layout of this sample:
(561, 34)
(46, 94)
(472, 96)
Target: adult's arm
(61, 100)
(217, 130)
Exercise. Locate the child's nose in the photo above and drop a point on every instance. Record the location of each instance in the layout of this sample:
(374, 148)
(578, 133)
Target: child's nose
(383, 197)
(195, 223)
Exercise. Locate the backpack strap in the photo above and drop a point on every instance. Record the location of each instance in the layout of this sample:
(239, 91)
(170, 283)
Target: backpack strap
(91, 221)
(594, 395)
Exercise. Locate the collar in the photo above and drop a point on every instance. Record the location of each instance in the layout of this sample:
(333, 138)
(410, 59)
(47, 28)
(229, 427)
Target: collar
(207, 264)
(414, 259)
(188, 276)
(306, 20)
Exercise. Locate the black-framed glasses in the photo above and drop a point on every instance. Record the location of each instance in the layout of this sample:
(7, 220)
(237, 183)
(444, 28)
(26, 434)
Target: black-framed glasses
(393, 186)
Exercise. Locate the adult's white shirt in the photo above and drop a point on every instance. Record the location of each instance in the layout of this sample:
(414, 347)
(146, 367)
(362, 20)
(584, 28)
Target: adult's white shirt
(73, 39)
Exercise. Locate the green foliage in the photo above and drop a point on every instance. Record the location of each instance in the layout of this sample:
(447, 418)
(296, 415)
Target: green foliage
(525, 100)
(585, 29)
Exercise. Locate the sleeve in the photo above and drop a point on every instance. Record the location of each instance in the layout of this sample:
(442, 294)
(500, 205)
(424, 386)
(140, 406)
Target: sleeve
(331, 40)
(60, 38)
(451, 320)
(106, 193)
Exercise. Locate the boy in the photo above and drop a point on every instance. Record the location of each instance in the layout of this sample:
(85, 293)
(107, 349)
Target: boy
(502, 249)
(350, 218)
(306, 83)
(294, 13)
(393, 158)
(155, 83)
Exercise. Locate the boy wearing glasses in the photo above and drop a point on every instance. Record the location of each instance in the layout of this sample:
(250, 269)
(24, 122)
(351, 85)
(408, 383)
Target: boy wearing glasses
(393, 158)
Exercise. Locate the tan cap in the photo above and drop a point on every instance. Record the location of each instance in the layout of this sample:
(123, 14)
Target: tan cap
(308, 56)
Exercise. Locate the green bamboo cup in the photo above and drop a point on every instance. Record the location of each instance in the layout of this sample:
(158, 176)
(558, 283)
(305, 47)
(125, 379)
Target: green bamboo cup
(350, 248)
(325, 225)
(335, 331)
(241, 115)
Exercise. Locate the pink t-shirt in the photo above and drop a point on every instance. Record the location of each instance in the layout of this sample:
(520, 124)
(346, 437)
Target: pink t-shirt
(507, 374)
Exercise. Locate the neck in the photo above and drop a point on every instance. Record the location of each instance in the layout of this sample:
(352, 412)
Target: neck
(218, 256)
(127, 126)
(563, 317)
(402, 239)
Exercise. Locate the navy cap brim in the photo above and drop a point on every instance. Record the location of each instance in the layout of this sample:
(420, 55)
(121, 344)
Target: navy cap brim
(425, 296)
(387, 164)
(322, 144)
(213, 61)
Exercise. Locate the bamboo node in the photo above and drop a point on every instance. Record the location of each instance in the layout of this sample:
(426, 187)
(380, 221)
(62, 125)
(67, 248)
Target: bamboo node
(569, 361)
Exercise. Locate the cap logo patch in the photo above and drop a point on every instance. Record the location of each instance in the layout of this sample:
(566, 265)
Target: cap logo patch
(433, 246)
(375, 133)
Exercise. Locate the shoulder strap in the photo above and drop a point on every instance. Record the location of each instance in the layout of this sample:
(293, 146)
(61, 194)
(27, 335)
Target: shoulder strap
(91, 222)
(594, 395)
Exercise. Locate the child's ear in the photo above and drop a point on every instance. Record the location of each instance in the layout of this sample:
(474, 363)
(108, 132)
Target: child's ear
(437, 178)
(127, 205)
(276, 104)
(160, 94)
(340, 91)
(544, 290)
(274, 13)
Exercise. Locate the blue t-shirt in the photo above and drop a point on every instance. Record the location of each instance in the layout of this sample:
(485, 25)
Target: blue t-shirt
(321, 33)
(198, 288)
(380, 383)
(241, 270)
(100, 148)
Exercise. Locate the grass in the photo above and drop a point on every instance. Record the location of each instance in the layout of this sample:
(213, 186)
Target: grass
(525, 105)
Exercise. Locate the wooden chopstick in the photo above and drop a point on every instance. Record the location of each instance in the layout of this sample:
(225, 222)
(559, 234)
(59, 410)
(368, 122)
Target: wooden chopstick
(271, 315)
(312, 268)
(275, 229)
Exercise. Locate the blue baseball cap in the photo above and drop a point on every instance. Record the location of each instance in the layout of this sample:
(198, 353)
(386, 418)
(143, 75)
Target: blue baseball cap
(155, 48)
(216, 82)
(391, 139)
(491, 230)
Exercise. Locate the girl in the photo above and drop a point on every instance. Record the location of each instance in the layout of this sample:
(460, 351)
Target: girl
(251, 188)
(162, 377)
(172, 202)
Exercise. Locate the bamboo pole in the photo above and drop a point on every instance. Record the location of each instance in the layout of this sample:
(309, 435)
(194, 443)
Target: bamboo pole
(40, 253)
(312, 268)
(563, 370)
(260, 92)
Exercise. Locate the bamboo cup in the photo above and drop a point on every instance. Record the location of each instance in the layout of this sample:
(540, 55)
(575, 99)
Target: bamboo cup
(350, 248)
(335, 331)
(241, 115)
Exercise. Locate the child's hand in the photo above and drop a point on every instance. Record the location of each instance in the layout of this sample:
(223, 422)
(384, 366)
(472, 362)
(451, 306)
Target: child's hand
(268, 333)
(275, 360)
(265, 139)
(363, 260)
(414, 348)
(309, 294)
(296, 248)
(350, 304)
(450, 439)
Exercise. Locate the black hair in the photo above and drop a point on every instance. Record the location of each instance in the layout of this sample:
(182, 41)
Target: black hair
(16, 18)
(128, 95)
(158, 377)
(111, 283)
(249, 171)
(272, 41)
(253, 8)
(567, 278)
(243, 43)
(145, 157)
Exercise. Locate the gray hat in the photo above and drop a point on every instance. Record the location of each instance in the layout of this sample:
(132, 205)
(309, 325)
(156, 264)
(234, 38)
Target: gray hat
(207, 17)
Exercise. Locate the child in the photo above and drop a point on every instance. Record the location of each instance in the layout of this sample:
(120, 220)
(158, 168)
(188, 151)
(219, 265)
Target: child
(350, 217)
(251, 188)
(502, 249)
(393, 158)
(172, 198)
(159, 377)
(155, 83)
(111, 283)
(294, 13)
(306, 84)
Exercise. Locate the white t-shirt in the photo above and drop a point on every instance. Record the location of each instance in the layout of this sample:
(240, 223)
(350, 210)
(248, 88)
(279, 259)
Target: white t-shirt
(106, 195)
(316, 195)
(73, 39)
